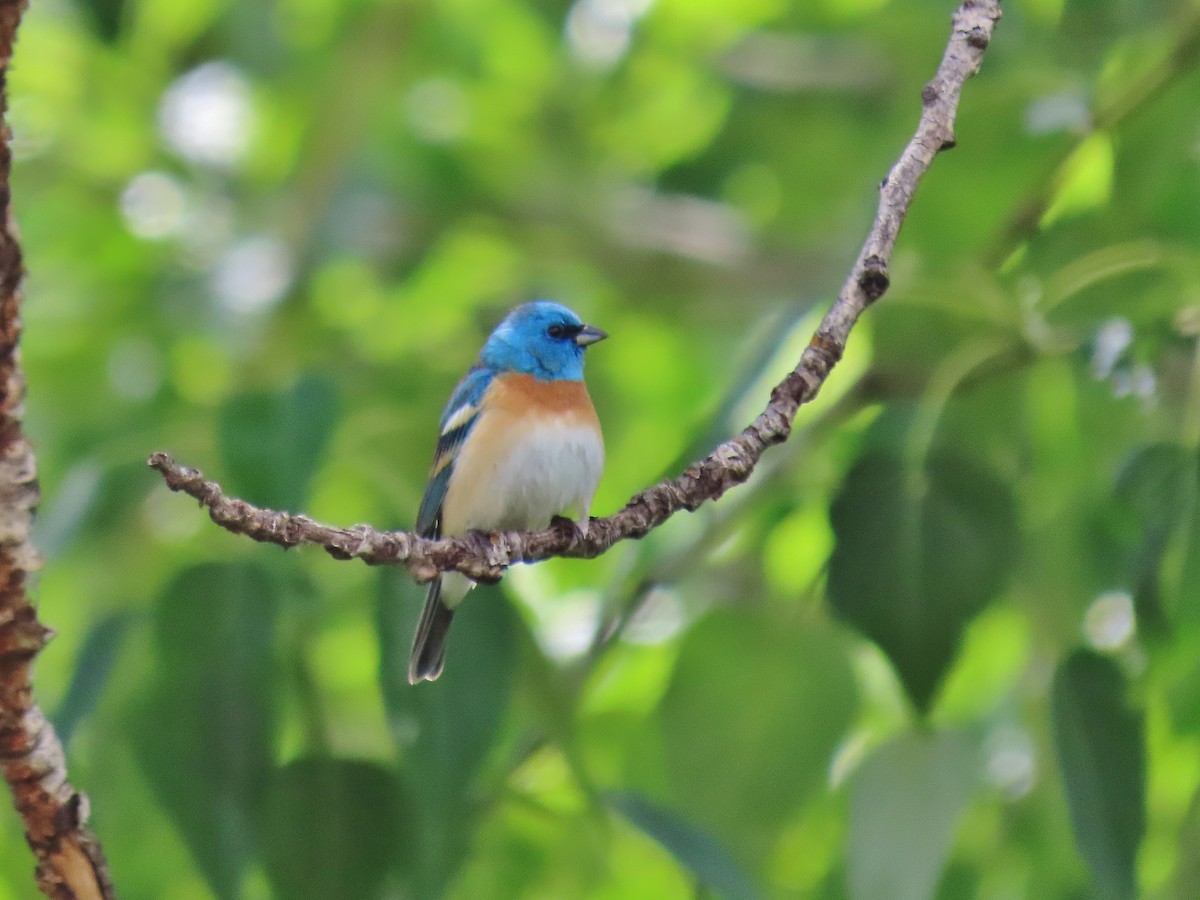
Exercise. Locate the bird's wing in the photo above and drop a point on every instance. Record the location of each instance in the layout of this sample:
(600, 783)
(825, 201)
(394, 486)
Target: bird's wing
(458, 418)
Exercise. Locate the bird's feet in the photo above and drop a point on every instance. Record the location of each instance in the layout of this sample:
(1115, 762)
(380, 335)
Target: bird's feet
(570, 527)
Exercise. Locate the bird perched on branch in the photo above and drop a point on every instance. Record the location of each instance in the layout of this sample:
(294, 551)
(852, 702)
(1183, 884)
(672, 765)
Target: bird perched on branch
(519, 444)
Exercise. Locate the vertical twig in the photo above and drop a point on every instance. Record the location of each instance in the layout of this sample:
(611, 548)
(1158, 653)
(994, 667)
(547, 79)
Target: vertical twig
(70, 862)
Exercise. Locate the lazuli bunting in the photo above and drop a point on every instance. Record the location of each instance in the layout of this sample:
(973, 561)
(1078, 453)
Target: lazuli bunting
(519, 443)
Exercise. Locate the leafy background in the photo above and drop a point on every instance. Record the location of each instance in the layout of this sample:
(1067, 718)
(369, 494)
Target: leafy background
(943, 645)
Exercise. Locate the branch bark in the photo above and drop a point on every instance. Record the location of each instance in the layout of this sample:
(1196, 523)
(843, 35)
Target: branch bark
(484, 557)
(70, 861)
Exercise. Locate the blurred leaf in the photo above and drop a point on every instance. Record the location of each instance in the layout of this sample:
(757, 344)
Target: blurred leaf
(1184, 606)
(203, 730)
(693, 848)
(646, 170)
(994, 657)
(1085, 179)
(331, 828)
(751, 718)
(1180, 678)
(105, 16)
(273, 443)
(905, 803)
(447, 724)
(762, 363)
(1101, 752)
(1153, 492)
(1186, 884)
(1152, 488)
(87, 500)
(917, 554)
(93, 666)
(445, 728)
(67, 509)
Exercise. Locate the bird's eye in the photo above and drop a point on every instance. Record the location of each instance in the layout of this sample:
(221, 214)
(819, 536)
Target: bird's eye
(556, 331)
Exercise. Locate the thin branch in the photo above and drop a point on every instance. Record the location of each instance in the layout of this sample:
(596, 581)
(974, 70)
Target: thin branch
(71, 864)
(484, 557)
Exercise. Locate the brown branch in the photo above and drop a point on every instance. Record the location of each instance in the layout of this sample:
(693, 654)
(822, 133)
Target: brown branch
(485, 556)
(71, 864)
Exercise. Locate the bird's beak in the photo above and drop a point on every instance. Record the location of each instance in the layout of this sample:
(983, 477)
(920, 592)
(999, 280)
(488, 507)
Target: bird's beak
(589, 334)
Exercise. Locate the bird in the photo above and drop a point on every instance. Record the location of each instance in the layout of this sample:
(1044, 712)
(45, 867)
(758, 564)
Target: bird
(519, 443)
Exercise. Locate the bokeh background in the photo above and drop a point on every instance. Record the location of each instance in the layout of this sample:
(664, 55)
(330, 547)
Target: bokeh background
(944, 644)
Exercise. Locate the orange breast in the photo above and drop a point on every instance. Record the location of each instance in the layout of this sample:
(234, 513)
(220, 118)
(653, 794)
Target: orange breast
(523, 395)
(515, 406)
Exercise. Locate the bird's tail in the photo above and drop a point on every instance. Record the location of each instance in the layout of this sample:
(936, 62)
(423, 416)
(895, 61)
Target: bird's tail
(429, 643)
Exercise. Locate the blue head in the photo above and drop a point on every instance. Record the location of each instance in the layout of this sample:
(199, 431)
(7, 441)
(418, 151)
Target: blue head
(542, 339)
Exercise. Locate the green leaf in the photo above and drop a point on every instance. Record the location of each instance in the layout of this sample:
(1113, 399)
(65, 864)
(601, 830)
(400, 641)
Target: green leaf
(445, 728)
(695, 849)
(330, 828)
(447, 724)
(750, 720)
(1151, 486)
(905, 803)
(917, 555)
(106, 16)
(1084, 180)
(273, 443)
(1150, 501)
(86, 501)
(66, 511)
(1184, 604)
(1186, 884)
(93, 666)
(1101, 752)
(203, 729)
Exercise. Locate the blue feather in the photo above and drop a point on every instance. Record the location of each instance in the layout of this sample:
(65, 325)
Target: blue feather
(464, 405)
(541, 339)
(522, 343)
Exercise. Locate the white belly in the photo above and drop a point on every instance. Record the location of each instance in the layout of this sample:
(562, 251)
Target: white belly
(549, 470)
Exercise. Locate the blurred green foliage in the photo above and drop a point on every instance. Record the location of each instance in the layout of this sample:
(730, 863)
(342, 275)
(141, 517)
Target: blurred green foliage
(944, 644)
